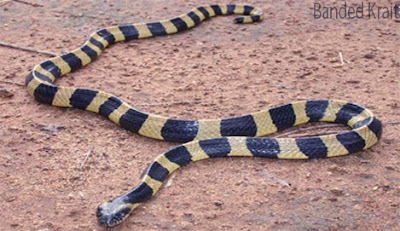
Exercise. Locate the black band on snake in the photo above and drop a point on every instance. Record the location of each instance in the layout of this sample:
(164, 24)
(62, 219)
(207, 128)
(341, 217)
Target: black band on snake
(205, 138)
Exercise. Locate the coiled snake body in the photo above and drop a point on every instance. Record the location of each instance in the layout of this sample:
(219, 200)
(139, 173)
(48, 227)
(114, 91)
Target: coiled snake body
(202, 138)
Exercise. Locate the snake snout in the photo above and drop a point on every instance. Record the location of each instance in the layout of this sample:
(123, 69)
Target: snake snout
(105, 219)
(112, 213)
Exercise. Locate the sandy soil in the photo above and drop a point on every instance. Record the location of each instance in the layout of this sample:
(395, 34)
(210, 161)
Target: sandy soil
(218, 69)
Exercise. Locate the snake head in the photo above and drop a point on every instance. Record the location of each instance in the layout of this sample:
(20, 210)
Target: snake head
(113, 212)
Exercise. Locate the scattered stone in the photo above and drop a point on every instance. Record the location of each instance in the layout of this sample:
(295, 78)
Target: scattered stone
(11, 199)
(390, 168)
(6, 94)
(353, 81)
(337, 192)
(369, 56)
(52, 130)
(218, 203)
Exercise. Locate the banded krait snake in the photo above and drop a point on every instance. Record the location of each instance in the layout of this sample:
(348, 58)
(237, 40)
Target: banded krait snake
(202, 138)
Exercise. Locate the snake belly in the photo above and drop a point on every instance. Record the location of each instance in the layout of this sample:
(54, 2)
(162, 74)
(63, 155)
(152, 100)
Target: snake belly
(202, 139)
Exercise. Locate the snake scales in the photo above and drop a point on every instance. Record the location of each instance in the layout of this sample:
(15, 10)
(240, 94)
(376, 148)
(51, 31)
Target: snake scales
(202, 138)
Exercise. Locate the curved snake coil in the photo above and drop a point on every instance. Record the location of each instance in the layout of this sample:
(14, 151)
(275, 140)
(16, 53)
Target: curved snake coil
(208, 138)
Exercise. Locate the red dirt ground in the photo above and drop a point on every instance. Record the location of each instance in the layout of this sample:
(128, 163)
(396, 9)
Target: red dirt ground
(217, 69)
